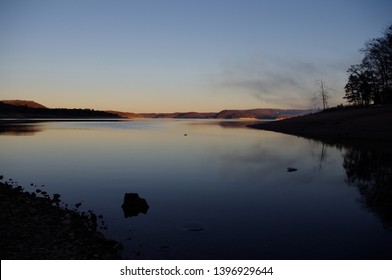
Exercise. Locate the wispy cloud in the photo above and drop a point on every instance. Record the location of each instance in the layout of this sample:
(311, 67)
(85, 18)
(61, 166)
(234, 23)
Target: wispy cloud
(272, 81)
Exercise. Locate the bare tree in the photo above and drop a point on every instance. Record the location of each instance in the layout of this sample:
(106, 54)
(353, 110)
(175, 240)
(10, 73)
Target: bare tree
(322, 94)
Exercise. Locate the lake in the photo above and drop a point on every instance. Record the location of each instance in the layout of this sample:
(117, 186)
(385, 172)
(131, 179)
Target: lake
(214, 189)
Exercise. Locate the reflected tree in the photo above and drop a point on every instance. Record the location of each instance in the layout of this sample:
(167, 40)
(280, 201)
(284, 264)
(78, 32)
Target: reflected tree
(323, 154)
(371, 173)
(320, 152)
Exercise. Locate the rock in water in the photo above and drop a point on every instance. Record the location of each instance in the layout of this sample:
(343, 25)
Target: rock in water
(291, 169)
(133, 205)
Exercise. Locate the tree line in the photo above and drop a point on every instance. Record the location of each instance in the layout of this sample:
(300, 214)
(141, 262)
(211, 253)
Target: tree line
(370, 82)
(14, 111)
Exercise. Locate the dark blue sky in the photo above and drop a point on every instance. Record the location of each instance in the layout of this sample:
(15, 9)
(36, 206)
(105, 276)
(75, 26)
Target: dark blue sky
(182, 55)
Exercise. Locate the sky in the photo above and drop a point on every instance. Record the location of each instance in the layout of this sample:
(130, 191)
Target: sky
(170, 56)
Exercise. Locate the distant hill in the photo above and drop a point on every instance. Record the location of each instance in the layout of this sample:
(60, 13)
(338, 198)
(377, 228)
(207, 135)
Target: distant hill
(261, 114)
(26, 103)
(32, 109)
(186, 115)
(225, 114)
(8, 110)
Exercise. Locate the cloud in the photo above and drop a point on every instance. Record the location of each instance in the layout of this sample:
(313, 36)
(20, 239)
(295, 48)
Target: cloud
(272, 81)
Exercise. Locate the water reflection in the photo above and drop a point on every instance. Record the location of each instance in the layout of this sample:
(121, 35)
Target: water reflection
(133, 205)
(237, 124)
(369, 170)
(371, 173)
(219, 193)
(323, 155)
(233, 123)
(19, 129)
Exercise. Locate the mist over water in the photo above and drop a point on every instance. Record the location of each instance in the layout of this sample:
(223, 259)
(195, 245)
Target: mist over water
(214, 190)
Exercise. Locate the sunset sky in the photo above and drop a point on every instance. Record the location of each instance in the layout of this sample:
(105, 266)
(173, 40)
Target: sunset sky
(165, 56)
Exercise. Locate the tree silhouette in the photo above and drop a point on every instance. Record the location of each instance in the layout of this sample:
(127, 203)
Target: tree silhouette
(371, 80)
(359, 86)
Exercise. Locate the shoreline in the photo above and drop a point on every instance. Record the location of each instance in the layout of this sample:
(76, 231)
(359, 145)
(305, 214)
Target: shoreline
(34, 226)
(369, 124)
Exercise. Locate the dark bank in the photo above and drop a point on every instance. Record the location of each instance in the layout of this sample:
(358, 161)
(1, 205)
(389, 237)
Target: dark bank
(34, 225)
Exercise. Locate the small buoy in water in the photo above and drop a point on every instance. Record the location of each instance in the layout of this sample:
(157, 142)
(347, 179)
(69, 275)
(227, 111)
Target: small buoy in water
(291, 169)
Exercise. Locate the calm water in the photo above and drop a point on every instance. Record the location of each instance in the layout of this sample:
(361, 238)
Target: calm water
(221, 191)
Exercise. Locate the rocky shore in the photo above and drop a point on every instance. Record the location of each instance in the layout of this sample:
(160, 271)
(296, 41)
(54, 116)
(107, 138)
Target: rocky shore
(34, 225)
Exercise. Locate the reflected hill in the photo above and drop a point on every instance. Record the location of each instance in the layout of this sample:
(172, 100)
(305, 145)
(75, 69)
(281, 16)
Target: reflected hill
(19, 129)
